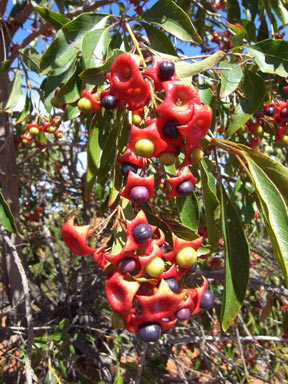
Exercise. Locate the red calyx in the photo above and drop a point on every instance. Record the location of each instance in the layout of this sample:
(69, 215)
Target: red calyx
(75, 237)
(138, 96)
(130, 157)
(199, 125)
(92, 97)
(153, 72)
(187, 148)
(134, 180)
(125, 72)
(184, 175)
(178, 244)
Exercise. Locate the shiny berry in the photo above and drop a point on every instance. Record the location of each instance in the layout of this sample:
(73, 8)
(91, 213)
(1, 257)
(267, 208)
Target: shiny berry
(51, 129)
(142, 232)
(258, 131)
(167, 158)
(149, 332)
(173, 285)
(207, 301)
(270, 111)
(109, 102)
(196, 155)
(183, 314)
(185, 188)
(170, 129)
(186, 257)
(139, 194)
(156, 267)
(166, 70)
(193, 268)
(117, 321)
(127, 167)
(284, 140)
(284, 113)
(136, 119)
(85, 105)
(34, 131)
(144, 148)
(128, 264)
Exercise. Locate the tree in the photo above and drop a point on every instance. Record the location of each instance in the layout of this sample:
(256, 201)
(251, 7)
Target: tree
(192, 96)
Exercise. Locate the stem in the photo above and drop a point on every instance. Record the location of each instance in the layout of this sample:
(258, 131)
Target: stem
(135, 42)
(141, 364)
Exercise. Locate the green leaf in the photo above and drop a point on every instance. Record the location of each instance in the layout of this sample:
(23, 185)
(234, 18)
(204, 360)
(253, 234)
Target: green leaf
(240, 34)
(96, 75)
(71, 112)
(233, 10)
(55, 19)
(184, 232)
(236, 261)
(69, 92)
(254, 91)
(187, 70)
(211, 204)
(159, 40)
(172, 19)
(251, 8)
(31, 58)
(280, 10)
(4, 66)
(68, 42)
(108, 154)
(231, 75)
(26, 110)
(188, 209)
(271, 56)
(94, 47)
(6, 216)
(15, 92)
(275, 214)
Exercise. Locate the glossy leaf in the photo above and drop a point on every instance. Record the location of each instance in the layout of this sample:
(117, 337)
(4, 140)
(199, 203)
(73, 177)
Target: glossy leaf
(188, 209)
(31, 58)
(211, 204)
(4, 66)
(15, 92)
(68, 42)
(275, 214)
(254, 91)
(231, 75)
(159, 40)
(55, 19)
(93, 156)
(236, 261)
(187, 70)
(94, 47)
(172, 19)
(70, 91)
(271, 56)
(6, 216)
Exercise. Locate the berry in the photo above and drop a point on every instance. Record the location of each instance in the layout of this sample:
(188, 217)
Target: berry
(142, 232)
(284, 140)
(183, 314)
(139, 194)
(117, 321)
(185, 188)
(109, 102)
(207, 301)
(144, 148)
(193, 268)
(166, 70)
(34, 131)
(186, 257)
(270, 111)
(149, 332)
(167, 158)
(128, 264)
(196, 155)
(170, 129)
(127, 167)
(156, 267)
(284, 113)
(258, 131)
(51, 129)
(85, 105)
(136, 119)
(173, 285)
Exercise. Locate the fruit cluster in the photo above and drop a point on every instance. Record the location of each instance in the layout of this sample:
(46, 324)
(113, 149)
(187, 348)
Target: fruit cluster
(277, 113)
(143, 280)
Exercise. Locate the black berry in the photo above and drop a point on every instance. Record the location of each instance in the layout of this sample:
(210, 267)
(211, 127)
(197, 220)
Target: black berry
(270, 111)
(185, 188)
(207, 301)
(128, 264)
(173, 285)
(170, 129)
(127, 167)
(139, 194)
(149, 332)
(142, 232)
(284, 113)
(109, 102)
(166, 70)
(183, 314)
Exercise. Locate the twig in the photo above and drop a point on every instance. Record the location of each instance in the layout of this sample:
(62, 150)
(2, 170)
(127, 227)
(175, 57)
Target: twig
(246, 339)
(141, 364)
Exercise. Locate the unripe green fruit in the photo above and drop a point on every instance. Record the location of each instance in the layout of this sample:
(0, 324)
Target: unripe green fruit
(34, 131)
(59, 135)
(117, 321)
(186, 257)
(51, 129)
(25, 141)
(144, 147)
(284, 140)
(243, 129)
(136, 119)
(196, 155)
(85, 105)
(167, 158)
(258, 131)
(156, 267)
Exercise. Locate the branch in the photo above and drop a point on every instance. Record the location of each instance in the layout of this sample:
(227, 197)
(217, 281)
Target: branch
(243, 339)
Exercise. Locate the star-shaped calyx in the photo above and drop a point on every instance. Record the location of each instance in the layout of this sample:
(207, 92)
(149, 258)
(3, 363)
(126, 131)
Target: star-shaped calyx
(133, 181)
(199, 125)
(181, 176)
(153, 72)
(192, 297)
(92, 97)
(159, 123)
(130, 157)
(179, 244)
(187, 149)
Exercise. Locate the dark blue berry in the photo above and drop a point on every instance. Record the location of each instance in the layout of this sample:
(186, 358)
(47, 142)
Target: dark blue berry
(142, 232)
(149, 332)
(127, 167)
(173, 285)
(109, 102)
(170, 129)
(270, 111)
(185, 188)
(207, 301)
(128, 264)
(139, 194)
(183, 314)
(166, 70)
